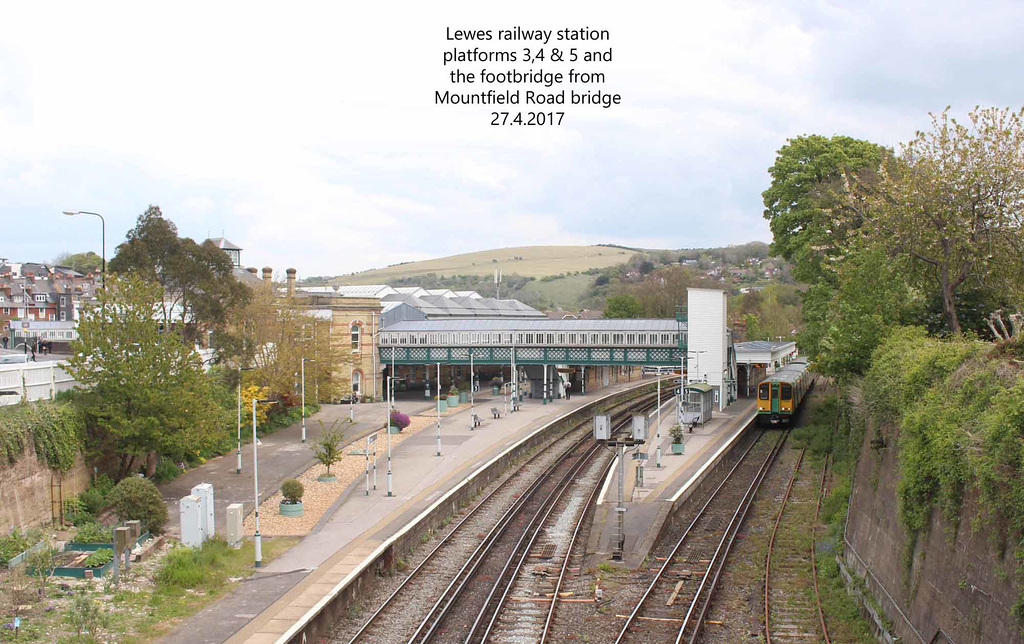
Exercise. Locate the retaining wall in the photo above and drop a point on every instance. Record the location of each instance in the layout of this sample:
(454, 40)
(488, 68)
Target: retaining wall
(957, 583)
(29, 490)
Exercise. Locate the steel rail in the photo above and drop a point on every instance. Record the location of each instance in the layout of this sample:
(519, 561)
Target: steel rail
(522, 549)
(686, 533)
(532, 530)
(447, 539)
(771, 544)
(725, 546)
(814, 552)
(454, 589)
(568, 554)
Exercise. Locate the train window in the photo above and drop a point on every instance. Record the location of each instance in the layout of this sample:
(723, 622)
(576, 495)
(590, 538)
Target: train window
(762, 391)
(787, 391)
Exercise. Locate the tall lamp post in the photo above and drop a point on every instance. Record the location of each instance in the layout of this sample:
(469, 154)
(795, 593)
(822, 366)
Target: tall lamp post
(238, 469)
(103, 231)
(303, 369)
(256, 481)
(391, 409)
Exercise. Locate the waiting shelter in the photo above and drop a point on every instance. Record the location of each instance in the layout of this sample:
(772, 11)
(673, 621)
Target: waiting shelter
(698, 404)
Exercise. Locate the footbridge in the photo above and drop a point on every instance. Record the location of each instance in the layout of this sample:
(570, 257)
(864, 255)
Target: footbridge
(656, 342)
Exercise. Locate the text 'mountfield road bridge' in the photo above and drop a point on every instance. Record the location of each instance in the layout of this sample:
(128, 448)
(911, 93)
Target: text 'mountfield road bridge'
(572, 342)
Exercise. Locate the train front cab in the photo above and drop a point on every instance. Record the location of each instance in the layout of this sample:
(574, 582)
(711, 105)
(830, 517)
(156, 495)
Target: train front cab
(775, 402)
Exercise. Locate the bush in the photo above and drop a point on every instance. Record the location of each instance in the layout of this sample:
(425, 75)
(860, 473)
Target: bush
(166, 470)
(76, 513)
(191, 567)
(94, 533)
(292, 490)
(400, 420)
(138, 498)
(16, 543)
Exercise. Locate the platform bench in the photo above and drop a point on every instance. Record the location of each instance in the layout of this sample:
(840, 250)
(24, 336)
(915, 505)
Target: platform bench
(495, 412)
(477, 421)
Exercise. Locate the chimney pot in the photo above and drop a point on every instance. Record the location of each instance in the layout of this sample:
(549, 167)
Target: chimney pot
(268, 274)
(291, 281)
(252, 269)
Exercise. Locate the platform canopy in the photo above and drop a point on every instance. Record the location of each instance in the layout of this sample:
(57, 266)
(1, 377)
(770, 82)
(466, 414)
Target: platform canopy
(571, 342)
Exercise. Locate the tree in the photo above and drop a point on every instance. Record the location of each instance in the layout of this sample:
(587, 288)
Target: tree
(88, 262)
(807, 180)
(327, 449)
(145, 389)
(199, 287)
(622, 306)
(949, 208)
(272, 334)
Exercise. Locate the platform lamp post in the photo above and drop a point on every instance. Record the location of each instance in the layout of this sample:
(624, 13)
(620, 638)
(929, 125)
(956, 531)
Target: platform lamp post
(304, 360)
(256, 481)
(472, 404)
(438, 406)
(657, 430)
(103, 236)
(391, 408)
(238, 469)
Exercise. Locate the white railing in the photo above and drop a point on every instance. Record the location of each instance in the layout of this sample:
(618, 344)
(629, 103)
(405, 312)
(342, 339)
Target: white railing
(34, 381)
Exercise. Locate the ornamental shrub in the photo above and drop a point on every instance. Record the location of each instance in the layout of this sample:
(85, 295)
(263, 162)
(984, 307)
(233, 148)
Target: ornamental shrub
(138, 498)
(292, 490)
(399, 420)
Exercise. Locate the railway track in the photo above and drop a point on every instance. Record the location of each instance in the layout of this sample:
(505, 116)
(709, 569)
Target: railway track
(436, 601)
(674, 606)
(792, 614)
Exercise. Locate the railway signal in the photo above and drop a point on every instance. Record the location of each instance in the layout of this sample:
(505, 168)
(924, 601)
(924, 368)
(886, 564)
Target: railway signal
(638, 436)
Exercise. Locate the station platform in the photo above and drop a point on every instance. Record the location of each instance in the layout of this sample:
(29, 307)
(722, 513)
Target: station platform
(265, 606)
(650, 504)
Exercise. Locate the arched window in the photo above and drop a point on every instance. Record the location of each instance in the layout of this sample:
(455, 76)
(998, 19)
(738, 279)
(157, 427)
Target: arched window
(357, 381)
(355, 328)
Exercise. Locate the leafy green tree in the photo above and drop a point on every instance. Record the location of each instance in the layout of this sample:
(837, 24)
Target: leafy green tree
(622, 306)
(199, 289)
(801, 203)
(950, 207)
(88, 262)
(145, 389)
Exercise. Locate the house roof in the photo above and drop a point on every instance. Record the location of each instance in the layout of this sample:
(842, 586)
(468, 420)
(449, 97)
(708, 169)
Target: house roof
(224, 244)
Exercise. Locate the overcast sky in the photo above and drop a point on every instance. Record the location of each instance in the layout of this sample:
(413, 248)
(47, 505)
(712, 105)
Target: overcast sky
(308, 134)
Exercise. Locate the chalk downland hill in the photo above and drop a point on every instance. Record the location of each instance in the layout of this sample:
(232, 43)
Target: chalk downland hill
(528, 261)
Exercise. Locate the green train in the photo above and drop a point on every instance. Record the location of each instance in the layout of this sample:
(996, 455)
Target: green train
(780, 394)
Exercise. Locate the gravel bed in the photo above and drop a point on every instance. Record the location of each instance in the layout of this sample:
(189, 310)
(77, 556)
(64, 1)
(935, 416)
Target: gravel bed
(319, 496)
(520, 621)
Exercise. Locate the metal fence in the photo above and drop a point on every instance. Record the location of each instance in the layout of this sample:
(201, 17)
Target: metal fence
(34, 381)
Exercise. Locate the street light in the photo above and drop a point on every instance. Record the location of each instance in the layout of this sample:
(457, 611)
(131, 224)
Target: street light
(304, 361)
(238, 469)
(103, 227)
(256, 481)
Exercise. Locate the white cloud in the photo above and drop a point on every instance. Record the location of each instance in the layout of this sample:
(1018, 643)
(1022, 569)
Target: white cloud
(309, 136)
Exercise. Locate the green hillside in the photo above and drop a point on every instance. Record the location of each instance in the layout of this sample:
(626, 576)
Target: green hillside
(528, 261)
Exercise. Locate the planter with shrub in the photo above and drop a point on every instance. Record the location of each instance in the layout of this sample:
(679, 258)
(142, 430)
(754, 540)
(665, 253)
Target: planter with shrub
(399, 421)
(292, 492)
(676, 432)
